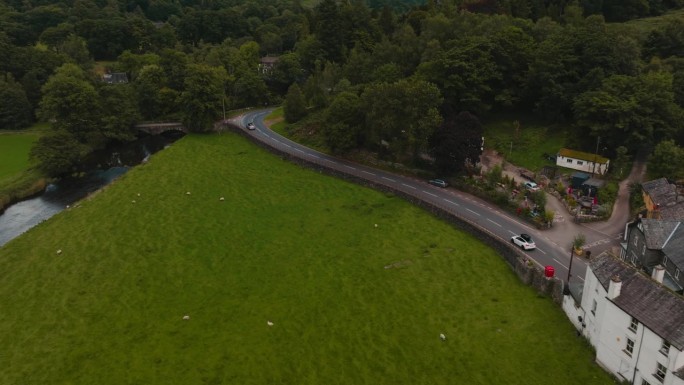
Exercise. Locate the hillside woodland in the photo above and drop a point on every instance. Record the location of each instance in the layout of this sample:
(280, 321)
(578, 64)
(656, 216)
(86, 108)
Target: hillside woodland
(399, 79)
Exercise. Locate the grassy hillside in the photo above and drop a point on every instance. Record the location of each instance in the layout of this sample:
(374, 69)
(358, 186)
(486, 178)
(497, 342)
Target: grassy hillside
(350, 302)
(14, 152)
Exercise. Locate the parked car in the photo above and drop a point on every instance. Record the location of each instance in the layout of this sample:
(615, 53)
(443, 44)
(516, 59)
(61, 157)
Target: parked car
(524, 241)
(531, 186)
(251, 126)
(439, 183)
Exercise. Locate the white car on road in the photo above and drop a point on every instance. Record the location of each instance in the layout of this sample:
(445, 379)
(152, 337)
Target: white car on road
(523, 241)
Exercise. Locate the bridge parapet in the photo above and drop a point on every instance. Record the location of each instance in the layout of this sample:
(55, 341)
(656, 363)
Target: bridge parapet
(158, 128)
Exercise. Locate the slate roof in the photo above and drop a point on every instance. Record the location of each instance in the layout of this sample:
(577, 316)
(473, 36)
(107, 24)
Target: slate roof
(664, 194)
(659, 309)
(674, 247)
(657, 232)
(568, 153)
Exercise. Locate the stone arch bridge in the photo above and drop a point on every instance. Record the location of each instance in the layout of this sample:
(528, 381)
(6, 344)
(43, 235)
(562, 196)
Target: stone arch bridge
(158, 128)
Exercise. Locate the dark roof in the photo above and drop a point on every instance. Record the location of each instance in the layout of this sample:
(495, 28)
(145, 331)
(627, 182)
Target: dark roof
(674, 246)
(665, 195)
(269, 59)
(657, 232)
(115, 78)
(658, 308)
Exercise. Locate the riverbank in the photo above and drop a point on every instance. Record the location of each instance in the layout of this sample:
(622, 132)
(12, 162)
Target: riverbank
(22, 186)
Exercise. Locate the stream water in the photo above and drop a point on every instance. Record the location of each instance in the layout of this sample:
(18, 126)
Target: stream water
(102, 168)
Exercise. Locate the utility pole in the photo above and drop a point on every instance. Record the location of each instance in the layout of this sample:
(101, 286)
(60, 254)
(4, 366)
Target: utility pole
(593, 169)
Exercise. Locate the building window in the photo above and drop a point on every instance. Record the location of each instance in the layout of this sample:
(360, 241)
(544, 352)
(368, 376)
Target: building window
(665, 348)
(633, 325)
(569, 160)
(676, 273)
(579, 163)
(644, 382)
(630, 347)
(643, 249)
(660, 373)
(593, 307)
(636, 240)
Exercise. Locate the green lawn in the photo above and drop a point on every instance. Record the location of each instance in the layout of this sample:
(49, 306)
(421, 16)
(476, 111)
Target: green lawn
(351, 302)
(14, 152)
(526, 147)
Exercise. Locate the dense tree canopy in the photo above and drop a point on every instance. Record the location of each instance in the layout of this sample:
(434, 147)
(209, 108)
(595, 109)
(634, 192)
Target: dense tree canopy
(383, 77)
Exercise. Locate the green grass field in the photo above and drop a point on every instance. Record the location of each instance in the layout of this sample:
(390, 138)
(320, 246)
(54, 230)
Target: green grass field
(524, 149)
(14, 152)
(351, 303)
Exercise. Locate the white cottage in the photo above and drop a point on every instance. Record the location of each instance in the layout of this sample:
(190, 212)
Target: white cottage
(582, 161)
(635, 324)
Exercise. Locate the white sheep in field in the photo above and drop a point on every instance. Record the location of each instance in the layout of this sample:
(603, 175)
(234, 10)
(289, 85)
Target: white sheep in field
(222, 199)
(269, 323)
(59, 251)
(186, 317)
(442, 337)
(187, 193)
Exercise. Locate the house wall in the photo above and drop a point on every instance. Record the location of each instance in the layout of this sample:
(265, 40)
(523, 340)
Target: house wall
(637, 252)
(582, 165)
(608, 329)
(673, 270)
(611, 348)
(593, 291)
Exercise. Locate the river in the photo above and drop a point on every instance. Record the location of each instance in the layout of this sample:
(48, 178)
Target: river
(103, 167)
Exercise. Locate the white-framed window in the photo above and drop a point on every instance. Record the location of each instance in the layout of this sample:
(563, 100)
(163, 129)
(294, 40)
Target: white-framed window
(660, 373)
(569, 160)
(579, 163)
(630, 347)
(640, 226)
(593, 307)
(665, 348)
(633, 325)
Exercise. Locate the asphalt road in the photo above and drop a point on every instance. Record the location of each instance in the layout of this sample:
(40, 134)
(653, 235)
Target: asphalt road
(466, 206)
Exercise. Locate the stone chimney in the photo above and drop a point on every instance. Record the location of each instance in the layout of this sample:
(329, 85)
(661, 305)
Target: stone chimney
(614, 287)
(658, 273)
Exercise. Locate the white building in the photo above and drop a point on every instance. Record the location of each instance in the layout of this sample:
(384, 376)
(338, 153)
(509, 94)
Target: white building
(582, 161)
(634, 322)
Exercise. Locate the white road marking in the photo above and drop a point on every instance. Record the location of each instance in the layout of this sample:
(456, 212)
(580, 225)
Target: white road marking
(493, 222)
(453, 203)
(389, 179)
(559, 262)
(286, 145)
(366, 172)
(347, 166)
(429, 193)
(541, 250)
(409, 186)
(474, 212)
(297, 149)
(315, 156)
(512, 232)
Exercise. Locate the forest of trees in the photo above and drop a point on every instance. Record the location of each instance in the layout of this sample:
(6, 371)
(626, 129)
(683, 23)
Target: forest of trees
(401, 79)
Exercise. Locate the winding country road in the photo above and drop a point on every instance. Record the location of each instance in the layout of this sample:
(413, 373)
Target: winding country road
(552, 246)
